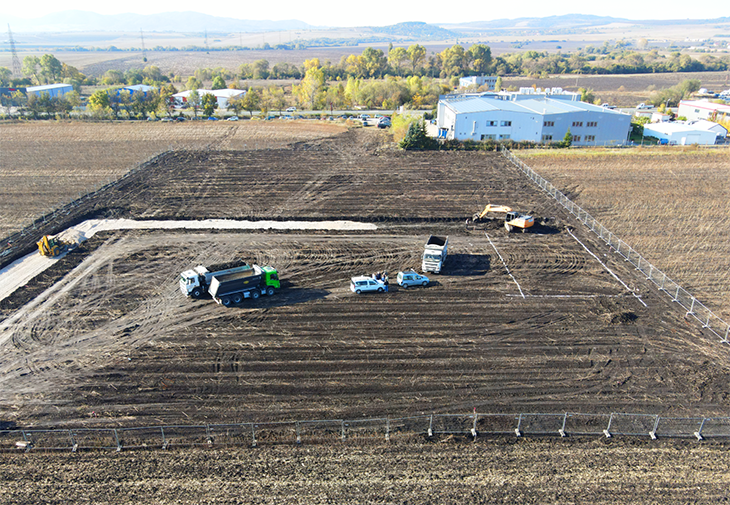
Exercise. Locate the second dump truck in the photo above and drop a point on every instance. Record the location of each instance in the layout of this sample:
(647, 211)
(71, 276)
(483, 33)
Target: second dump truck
(231, 288)
(434, 254)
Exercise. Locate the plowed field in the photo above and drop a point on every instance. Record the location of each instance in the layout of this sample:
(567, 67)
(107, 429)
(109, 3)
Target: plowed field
(515, 323)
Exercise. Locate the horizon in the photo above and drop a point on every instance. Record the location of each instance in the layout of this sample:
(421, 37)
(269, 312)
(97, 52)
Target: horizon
(326, 13)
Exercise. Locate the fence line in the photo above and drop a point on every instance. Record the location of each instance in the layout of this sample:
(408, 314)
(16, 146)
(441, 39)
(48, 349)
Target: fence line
(7, 246)
(694, 307)
(471, 425)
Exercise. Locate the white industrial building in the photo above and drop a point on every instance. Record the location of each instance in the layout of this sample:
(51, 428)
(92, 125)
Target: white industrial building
(702, 109)
(681, 133)
(53, 90)
(478, 80)
(530, 115)
(222, 95)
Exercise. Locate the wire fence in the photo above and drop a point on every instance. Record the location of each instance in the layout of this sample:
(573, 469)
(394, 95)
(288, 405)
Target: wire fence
(11, 245)
(694, 307)
(361, 430)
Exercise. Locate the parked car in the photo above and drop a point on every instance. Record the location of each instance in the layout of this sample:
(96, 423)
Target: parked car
(166, 119)
(179, 118)
(291, 109)
(642, 106)
(211, 118)
(232, 118)
(384, 122)
(363, 284)
(411, 278)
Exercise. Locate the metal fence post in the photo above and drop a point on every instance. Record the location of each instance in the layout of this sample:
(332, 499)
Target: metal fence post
(343, 429)
(299, 436)
(474, 426)
(430, 427)
(387, 429)
(698, 433)
(565, 421)
(253, 435)
(691, 310)
(164, 442)
(519, 424)
(607, 431)
(116, 438)
(652, 433)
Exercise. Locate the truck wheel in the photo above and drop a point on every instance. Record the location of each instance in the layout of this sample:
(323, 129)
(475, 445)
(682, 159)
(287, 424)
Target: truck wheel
(270, 291)
(226, 301)
(197, 293)
(255, 294)
(237, 298)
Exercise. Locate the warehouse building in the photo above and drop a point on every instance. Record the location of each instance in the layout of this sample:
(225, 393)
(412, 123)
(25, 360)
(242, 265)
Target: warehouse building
(702, 109)
(530, 115)
(53, 90)
(222, 95)
(681, 133)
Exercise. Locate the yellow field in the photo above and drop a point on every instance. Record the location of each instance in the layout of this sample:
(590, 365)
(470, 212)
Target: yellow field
(672, 205)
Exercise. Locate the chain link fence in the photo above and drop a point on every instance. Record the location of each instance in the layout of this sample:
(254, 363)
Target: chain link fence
(360, 430)
(694, 307)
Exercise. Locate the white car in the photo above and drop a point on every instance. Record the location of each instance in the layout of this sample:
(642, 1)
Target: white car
(232, 118)
(412, 278)
(363, 284)
(291, 109)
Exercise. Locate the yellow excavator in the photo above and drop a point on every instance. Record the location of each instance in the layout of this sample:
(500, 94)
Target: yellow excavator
(512, 218)
(49, 246)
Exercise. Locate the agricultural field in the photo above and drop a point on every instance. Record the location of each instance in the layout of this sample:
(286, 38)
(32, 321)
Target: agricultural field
(45, 164)
(547, 321)
(671, 205)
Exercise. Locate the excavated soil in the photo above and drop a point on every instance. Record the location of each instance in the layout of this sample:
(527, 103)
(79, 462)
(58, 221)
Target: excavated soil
(515, 323)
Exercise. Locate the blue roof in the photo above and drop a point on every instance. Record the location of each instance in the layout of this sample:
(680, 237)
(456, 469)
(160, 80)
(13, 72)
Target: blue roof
(536, 105)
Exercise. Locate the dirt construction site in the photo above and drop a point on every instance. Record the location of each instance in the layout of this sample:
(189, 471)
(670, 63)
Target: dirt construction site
(548, 321)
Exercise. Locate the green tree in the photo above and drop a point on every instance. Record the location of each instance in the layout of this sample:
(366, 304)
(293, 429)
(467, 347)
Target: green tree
(417, 54)
(273, 97)
(251, 101)
(194, 101)
(454, 61)
(31, 68)
(209, 103)
(260, 69)
(374, 62)
(51, 68)
(100, 103)
(5, 75)
(498, 84)
(396, 57)
(567, 140)
(481, 58)
(218, 83)
(416, 138)
(193, 83)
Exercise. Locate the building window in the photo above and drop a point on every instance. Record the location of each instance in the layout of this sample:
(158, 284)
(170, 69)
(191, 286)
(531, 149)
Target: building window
(547, 138)
(576, 138)
(590, 138)
(506, 123)
(591, 124)
(489, 137)
(578, 123)
(491, 123)
(549, 123)
(504, 137)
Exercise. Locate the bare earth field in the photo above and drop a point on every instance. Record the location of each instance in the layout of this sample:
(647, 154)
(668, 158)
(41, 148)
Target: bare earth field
(494, 471)
(45, 164)
(670, 205)
(516, 323)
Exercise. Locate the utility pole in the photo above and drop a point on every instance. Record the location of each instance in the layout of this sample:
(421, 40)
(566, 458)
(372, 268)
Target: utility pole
(17, 69)
(144, 54)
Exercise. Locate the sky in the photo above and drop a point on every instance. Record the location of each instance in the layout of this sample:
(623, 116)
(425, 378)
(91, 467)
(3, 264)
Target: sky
(381, 12)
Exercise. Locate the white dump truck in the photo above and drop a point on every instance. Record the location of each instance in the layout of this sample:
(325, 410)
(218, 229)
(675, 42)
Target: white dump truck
(434, 254)
(195, 282)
